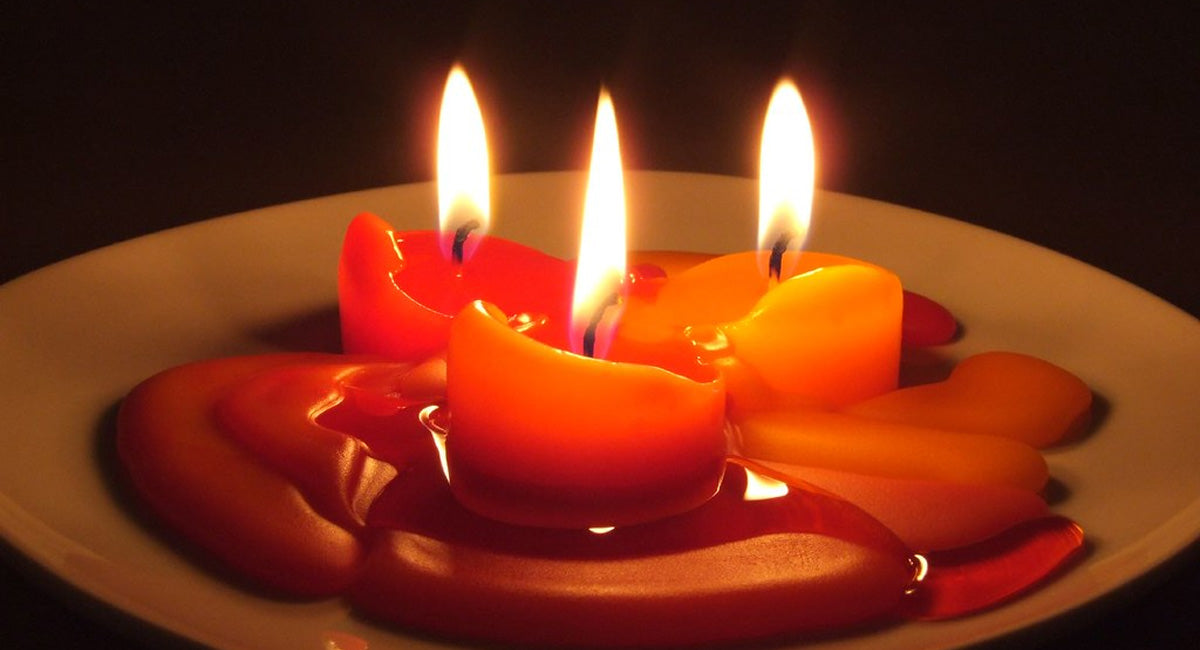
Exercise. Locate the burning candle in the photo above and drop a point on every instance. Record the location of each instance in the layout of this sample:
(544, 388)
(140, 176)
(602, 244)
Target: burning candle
(397, 291)
(326, 479)
(546, 437)
(821, 328)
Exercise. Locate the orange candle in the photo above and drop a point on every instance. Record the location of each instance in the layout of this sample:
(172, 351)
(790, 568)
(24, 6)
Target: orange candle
(542, 436)
(829, 336)
(817, 328)
(546, 437)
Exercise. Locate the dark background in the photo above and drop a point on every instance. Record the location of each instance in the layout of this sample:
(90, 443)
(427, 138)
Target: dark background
(1072, 125)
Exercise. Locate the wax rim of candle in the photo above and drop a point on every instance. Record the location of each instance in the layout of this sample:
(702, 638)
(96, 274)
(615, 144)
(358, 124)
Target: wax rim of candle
(703, 374)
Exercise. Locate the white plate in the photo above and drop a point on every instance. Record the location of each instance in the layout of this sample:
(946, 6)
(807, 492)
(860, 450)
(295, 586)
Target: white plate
(76, 336)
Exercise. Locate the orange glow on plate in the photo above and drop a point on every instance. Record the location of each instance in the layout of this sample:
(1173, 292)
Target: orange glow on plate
(787, 173)
(462, 162)
(601, 266)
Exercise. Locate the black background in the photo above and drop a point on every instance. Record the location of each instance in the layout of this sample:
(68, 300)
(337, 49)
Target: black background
(1072, 125)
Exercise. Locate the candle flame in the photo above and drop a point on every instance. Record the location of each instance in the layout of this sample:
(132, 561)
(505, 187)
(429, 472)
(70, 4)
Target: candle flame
(787, 173)
(464, 205)
(601, 266)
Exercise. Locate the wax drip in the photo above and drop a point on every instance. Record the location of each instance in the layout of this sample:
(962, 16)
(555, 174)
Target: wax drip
(432, 417)
(775, 266)
(460, 239)
(589, 334)
(920, 567)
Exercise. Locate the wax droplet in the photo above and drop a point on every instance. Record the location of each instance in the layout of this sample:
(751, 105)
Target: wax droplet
(334, 640)
(644, 280)
(436, 420)
(646, 271)
(920, 567)
(926, 322)
(708, 341)
(973, 578)
(525, 322)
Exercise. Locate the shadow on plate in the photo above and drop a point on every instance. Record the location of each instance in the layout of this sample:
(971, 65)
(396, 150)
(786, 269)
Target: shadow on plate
(315, 331)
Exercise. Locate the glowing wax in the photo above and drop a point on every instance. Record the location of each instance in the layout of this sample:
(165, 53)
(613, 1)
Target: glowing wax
(545, 437)
(996, 393)
(856, 444)
(829, 334)
(397, 291)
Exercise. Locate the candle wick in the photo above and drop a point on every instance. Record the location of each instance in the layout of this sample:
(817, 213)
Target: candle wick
(460, 239)
(775, 265)
(589, 334)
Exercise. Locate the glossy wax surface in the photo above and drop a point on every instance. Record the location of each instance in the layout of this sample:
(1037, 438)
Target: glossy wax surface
(397, 291)
(995, 393)
(542, 436)
(1061, 127)
(980, 425)
(828, 334)
(252, 487)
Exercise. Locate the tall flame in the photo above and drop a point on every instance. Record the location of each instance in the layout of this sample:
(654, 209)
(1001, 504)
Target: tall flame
(787, 174)
(601, 266)
(464, 204)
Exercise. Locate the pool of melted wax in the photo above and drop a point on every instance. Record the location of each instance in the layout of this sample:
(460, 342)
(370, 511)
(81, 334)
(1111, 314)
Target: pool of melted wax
(731, 570)
(974, 578)
(737, 568)
(357, 503)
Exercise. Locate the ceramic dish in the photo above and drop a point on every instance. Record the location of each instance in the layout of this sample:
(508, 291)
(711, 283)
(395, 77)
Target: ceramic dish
(76, 336)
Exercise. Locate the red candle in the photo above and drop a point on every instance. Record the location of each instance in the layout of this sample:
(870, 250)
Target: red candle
(398, 290)
(397, 293)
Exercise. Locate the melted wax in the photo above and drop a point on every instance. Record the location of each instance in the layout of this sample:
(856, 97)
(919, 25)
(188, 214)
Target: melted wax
(314, 475)
(319, 475)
